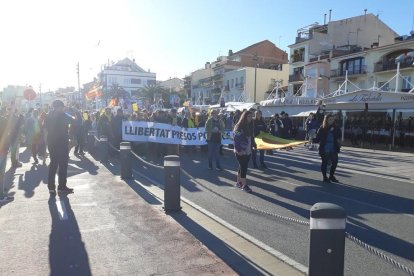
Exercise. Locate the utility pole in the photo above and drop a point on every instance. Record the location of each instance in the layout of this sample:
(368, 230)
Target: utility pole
(80, 94)
(40, 94)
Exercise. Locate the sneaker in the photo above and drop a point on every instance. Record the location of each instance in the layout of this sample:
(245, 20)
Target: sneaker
(326, 180)
(219, 168)
(17, 165)
(65, 190)
(210, 168)
(239, 185)
(333, 179)
(6, 198)
(247, 189)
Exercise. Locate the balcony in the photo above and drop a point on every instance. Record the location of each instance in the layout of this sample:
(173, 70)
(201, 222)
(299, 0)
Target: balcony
(337, 73)
(381, 66)
(296, 77)
(320, 57)
(297, 58)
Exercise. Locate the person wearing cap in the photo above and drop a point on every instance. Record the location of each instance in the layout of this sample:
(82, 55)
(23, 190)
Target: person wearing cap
(57, 126)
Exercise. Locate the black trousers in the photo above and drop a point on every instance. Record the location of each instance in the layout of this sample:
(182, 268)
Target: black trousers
(329, 157)
(59, 158)
(243, 163)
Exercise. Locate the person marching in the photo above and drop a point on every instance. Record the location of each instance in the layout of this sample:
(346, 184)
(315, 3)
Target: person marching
(214, 132)
(311, 126)
(57, 124)
(4, 149)
(258, 125)
(329, 136)
(243, 139)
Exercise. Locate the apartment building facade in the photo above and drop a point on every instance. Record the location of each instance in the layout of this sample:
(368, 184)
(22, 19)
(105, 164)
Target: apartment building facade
(224, 80)
(316, 45)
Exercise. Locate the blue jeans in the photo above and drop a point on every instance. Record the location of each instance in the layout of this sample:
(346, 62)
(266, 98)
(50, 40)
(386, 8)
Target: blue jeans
(261, 157)
(213, 151)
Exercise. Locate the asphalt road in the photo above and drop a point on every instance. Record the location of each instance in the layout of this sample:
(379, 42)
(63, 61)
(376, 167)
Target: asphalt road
(375, 189)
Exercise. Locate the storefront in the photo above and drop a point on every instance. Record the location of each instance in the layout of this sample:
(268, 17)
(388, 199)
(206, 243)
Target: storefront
(375, 119)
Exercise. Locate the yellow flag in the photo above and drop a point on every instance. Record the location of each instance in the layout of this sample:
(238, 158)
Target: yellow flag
(135, 107)
(267, 141)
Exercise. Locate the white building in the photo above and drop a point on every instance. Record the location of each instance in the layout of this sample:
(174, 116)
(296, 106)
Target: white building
(127, 75)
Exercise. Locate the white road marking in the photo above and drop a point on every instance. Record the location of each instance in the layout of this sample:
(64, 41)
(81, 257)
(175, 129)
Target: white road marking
(63, 214)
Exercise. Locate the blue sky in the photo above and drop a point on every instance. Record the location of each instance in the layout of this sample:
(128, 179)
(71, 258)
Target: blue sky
(42, 42)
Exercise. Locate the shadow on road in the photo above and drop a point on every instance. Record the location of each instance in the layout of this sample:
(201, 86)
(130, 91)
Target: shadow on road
(67, 252)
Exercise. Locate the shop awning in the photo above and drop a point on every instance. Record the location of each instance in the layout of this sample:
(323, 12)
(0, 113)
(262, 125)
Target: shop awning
(293, 110)
(305, 113)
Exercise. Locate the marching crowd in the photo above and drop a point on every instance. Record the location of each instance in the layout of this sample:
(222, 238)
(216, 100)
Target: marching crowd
(63, 128)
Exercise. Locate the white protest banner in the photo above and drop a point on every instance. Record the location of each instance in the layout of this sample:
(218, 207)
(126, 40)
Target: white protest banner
(135, 131)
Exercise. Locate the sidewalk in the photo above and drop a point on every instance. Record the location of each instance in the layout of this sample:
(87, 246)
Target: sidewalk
(109, 227)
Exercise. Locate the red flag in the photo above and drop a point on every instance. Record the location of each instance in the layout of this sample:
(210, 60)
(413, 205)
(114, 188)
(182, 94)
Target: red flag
(96, 91)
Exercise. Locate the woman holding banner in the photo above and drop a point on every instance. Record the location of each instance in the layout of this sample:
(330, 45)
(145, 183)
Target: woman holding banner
(329, 136)
(243, 144)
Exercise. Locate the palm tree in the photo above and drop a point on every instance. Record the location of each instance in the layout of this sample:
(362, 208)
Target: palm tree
(152, 91)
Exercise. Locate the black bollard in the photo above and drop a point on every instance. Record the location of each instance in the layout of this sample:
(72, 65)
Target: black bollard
(91, 140)
(103, 148)
(172, 183)
(125, 153)
(327, 240)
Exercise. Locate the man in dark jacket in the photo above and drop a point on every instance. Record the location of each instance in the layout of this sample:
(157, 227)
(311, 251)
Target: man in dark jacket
(117, 127)
(57, 124)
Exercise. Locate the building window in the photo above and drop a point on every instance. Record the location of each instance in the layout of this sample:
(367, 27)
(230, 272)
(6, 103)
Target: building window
(385, 87)
(135, 81)
(242, 80)
(406, 85)
(127, 81)
(150, 82)
(112, 80)
(354, 66)
(237, 81)
(232, 83)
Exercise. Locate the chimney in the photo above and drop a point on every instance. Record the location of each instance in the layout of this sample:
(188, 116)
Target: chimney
(365, 11)
(324, 19)
(330, 13)
(230, 52)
